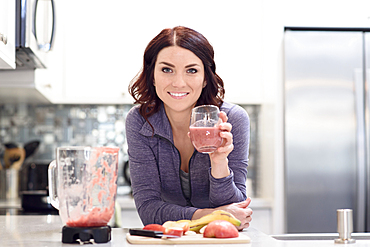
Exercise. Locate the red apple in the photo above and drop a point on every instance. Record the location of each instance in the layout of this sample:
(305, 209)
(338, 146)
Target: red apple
(220, 229)
(155, 227)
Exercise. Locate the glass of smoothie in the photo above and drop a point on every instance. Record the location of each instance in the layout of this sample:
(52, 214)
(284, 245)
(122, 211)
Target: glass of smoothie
(204, 128)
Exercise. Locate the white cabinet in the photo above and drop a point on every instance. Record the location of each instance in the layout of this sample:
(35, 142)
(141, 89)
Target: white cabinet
(99, 47)
(104, 45)
(95, 53)
(21, 86)
(39, 85)
(34, 86)
(7, 34)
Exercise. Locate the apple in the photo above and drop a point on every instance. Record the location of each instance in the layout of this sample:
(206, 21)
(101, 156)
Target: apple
(155, 227)
(184, 225)
(220, 229)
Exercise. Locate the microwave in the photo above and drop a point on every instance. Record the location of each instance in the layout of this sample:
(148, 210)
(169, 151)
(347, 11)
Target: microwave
(35, 32)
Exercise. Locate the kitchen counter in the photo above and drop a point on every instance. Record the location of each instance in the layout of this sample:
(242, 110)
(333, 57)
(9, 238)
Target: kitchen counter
(128, 217)
(45, 230)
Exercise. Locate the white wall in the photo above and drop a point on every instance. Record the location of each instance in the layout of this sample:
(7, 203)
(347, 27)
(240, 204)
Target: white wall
(233, 28)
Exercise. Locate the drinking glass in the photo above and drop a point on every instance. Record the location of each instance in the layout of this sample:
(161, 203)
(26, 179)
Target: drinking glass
(204, 128)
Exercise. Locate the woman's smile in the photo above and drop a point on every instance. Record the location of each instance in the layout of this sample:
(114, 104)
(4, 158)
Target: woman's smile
(178, 95)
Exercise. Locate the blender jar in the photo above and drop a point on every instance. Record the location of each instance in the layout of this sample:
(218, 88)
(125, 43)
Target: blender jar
(83, 185)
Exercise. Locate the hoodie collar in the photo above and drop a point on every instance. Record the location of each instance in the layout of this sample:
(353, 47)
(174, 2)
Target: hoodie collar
(161, 124)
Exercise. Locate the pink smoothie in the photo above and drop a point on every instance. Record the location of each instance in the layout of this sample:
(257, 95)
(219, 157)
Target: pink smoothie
(205, 139)
(95, 218)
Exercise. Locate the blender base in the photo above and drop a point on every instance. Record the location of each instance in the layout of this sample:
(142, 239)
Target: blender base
(84, 234)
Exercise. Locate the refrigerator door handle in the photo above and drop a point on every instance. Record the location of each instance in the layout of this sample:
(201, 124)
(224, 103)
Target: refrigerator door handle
(367, 91)
(367, 171)
(361, 153)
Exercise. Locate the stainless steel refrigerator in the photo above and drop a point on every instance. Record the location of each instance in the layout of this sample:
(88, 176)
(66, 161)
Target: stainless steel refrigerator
(327, 128)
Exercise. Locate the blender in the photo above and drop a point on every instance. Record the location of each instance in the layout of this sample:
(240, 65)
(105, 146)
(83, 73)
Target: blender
(83, 187)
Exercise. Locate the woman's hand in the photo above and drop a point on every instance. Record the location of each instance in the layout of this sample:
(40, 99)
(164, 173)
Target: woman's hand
(219, 161)
(241, 211)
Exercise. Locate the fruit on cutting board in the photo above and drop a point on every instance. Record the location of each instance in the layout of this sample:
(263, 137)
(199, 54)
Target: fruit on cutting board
(220, 229)
(154, 227)
(184, 225)
(169, 227)
(196, 225)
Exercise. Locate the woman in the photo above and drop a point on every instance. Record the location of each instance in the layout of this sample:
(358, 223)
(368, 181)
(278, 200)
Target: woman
(170, 179)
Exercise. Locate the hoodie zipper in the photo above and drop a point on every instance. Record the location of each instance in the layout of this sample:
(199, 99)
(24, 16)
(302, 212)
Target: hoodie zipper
(179, 155)
(182, 189)
(190, 195)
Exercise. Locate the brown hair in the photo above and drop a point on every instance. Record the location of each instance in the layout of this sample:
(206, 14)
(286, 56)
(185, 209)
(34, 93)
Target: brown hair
(142, 88)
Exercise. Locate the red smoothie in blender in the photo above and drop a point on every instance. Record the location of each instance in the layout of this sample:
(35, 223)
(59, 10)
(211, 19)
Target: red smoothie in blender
(99, 208)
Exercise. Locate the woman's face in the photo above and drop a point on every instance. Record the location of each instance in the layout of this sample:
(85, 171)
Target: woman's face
(178, 78)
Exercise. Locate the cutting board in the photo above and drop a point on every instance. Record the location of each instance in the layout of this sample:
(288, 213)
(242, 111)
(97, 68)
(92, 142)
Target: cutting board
(187, 239)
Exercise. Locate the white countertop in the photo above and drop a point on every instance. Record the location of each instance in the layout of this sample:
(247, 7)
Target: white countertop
(45, 230)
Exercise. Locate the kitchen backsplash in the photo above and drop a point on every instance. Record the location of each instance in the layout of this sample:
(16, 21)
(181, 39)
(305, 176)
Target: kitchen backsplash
(92, 125)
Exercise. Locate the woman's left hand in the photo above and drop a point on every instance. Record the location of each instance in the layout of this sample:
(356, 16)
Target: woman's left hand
(219, 161)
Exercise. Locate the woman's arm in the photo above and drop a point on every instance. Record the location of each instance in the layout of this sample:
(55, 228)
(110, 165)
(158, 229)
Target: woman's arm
(228, 188)
(232, 188)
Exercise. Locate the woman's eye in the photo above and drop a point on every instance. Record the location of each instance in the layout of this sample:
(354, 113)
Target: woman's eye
(192, 71)
(166, 70)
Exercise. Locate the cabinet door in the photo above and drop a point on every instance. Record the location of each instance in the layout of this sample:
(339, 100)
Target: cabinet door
(7, 34)
(95, 53)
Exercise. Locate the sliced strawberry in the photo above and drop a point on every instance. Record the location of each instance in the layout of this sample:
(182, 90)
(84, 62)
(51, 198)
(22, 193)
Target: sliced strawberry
(155, 227)
(177, 231)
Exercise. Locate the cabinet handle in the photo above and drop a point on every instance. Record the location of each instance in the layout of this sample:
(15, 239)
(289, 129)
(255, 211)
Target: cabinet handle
(3, 38)
(48, 46)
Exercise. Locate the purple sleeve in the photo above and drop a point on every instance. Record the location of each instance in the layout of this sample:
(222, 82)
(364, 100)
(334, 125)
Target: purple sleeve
(232, 188)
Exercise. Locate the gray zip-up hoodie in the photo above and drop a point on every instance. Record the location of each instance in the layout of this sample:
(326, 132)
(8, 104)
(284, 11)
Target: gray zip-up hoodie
(155, 168)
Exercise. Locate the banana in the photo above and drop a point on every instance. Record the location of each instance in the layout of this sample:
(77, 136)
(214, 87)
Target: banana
(180, 221)
(196, 225)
